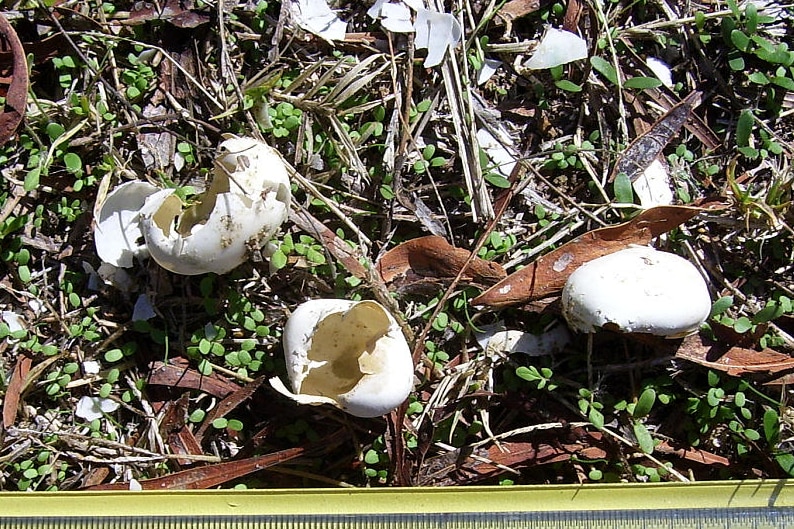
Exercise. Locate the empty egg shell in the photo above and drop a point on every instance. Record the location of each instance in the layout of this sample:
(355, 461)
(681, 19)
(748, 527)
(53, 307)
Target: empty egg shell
(349, 354)
(244, 206)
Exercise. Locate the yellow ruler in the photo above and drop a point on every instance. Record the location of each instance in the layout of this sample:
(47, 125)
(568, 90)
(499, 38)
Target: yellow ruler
(713, 505)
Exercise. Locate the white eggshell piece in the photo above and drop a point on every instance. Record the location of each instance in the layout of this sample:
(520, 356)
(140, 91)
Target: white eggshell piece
(638, 290)
(117, 235)
(350, 354)
(244, 206)
(497, 339)
(653, 185)
(557, 47)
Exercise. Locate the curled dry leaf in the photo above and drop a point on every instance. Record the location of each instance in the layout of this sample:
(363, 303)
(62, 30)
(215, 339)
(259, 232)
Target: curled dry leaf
(433, 256)
(547, 276)
(736, 360)
(14, 389)
(182, 376)
(17, 93)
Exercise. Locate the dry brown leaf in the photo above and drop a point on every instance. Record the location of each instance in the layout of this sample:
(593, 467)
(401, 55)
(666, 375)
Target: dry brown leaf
(228, 404)
(211, 475)
(433, 256)
(692, 454)
(14, 390)
(17, 93)
(516, 9)
(181, 376)
(180, 13)
(734, 360)
(453, 469)
(547, 275)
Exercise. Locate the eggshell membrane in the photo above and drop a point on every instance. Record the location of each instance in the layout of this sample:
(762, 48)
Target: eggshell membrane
(246, 203)
(350, 354)
(638, 290)
(117, 234)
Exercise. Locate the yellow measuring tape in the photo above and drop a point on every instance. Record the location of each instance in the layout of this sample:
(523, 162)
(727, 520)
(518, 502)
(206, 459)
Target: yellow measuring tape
(672, 505)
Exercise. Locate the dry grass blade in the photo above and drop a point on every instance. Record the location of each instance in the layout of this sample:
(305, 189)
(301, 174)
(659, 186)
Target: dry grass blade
(468, 148)
(354, 81)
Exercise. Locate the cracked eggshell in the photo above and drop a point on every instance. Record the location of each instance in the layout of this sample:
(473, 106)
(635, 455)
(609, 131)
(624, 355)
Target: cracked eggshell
(349, 354)
(638, 290)
(117, 233)
(246, 203)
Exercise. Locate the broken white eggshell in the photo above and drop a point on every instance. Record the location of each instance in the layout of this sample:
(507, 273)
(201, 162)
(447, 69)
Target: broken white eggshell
(497, 339)
(653, 185)
(117, 235)
(557, 47)
(639, 290)
(243, 207)
(349, 354)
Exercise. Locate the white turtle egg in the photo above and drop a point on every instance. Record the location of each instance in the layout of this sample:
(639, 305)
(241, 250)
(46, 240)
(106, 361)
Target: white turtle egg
(638, 290)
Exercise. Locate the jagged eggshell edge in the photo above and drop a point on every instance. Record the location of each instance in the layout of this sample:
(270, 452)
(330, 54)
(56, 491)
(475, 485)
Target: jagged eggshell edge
(376, 393)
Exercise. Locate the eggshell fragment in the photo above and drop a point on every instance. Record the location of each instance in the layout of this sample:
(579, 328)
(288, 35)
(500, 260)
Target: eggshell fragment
(244, 206)
(639, 290)
(117, 235)
(349, 354)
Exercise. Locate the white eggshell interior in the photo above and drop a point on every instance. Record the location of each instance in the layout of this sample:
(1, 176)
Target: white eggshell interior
(638, 290)
(117, 234)
(244, 206)
(349, 354)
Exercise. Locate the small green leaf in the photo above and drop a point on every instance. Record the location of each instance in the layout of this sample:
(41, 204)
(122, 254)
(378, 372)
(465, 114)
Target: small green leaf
(744, 127)
(72, 162)
(278, 260)
(736, 64)
(642, 83)
(786, 462)
(604, 68)
(315, 256)
(751, 17)
(784, 82)
(114, 355)
(24, 274)
(740, 40)
(32, 179)
(771, 311)
(371, 457)
(771, 426)
(596, 418)
(624, 193)
(234, 425)
(742, 325)
(758, 78)
(644, 403)
(197, 415)
(568, 86)
(205, 368)
(644, 439)
(220, 423)
(497, 180)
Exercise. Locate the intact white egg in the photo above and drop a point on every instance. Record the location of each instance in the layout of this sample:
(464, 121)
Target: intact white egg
(638, 290)
(352, 355)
